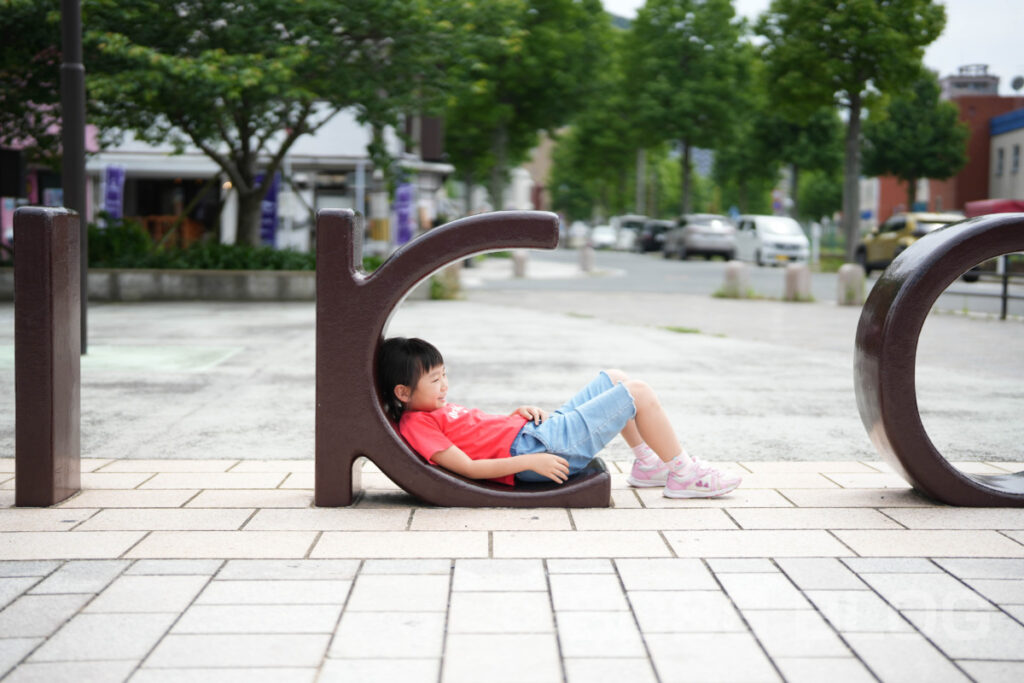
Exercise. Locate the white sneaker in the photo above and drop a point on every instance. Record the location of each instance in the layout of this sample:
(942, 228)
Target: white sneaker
(699, 480)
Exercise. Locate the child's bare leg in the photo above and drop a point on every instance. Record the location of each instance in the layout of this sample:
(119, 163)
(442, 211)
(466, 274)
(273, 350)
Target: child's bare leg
(630, 433)
(652, 424)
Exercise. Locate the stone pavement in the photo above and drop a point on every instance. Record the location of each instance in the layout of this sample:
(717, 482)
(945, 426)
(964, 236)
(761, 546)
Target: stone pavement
(194, 552)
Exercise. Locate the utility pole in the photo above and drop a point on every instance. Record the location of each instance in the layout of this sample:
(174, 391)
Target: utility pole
(72, 104)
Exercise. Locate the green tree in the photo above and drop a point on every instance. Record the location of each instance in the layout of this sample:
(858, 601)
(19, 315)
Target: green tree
(916, 135)
(30, 78)
(822, 53)
(242, 81)
(688, 70)
(528, 67)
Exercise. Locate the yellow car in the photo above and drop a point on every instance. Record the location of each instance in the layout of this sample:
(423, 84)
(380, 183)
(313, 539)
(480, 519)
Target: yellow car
(880, 246)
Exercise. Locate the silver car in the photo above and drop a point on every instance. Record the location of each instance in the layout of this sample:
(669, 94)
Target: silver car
(701, 234)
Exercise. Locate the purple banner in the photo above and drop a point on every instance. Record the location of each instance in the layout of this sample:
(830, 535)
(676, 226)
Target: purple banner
(268, 211)
(113, 191)
(403, 213)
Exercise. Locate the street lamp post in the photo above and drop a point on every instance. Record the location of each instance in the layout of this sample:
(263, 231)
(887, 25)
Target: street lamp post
(72, 102)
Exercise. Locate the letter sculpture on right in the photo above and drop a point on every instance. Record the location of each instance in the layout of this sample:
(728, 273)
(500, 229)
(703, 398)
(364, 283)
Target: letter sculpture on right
(886, 350)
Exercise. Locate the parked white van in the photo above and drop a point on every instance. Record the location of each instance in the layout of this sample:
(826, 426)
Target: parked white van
(771, 240)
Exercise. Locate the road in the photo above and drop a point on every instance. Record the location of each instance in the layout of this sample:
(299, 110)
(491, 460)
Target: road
(628, 272)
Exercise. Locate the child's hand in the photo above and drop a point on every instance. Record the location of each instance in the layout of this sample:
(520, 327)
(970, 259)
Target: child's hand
(554, 467)
(531, 413)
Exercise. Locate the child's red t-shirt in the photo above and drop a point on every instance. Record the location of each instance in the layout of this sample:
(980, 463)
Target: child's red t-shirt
(479, 435)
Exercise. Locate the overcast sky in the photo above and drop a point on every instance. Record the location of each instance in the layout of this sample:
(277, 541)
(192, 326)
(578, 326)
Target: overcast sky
(977, 32)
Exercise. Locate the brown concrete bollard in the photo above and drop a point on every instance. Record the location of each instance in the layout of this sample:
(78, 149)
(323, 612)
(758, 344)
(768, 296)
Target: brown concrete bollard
(47, 356)
(798, 283)
(519, 261)
(737, 280)
(850, 285)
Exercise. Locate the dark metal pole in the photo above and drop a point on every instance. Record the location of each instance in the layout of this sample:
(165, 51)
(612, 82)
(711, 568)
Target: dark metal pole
(1006, 285)
(72, 103)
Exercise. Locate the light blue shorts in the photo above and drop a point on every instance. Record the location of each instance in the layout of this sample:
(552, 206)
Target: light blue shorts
(579, 429)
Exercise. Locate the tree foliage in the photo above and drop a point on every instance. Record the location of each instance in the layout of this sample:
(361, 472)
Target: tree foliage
(822, 53)
(916, 135)
(687, 71)
(243, 80)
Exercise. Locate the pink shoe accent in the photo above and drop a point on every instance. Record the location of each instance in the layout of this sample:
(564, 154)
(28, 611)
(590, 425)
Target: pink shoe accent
(648, 473)
(699, 480)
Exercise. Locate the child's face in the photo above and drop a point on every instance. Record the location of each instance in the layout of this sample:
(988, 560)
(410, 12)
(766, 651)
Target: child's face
(429, 392)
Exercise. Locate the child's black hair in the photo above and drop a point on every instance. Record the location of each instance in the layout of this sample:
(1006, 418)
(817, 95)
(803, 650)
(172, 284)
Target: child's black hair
(403, 361)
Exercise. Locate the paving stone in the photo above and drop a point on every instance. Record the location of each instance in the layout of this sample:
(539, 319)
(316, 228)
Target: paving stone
(407, 567)
(756, 543)
(1000, 591)
(380, 670)
(599, 634)
(856, 498)
(69, 545)
(994, 672)
(166, 519)
(820, 573)
(970, 635)
(42, 520)
(623, 500)
(891, 565)
(795, 633)
(857, 612)
(741, 497)
(148, 594)
(93, 672)
(787, 467)
(223, 544)
(398, 544)
(225, 675)
(241, 498)
(607, 670)
(958, 518)
(82, 576)
(983, 568)
(307, 465)
(789, 480)
(472, 657)
(811, 518)
(587, 592)
(114, 480)
(128, 499)
(390, 635)
(491, 575)
(626, 520)
(580, 544)
(931, 543)
(505, 612)
(903, 657)
(275, 592)
(759, 565)
(39, 615)
(259, 619)
(169, 465)
(174, 567)
(685, 612)
(597, 566)
(857, 480)
(240, 650)
(11, 588)
(817, 669)
(665, 574)
(415, 593)
(12, 650)
(763, 591)
(215, 480)
(7, 465)
(466, 519)
(328, 519)
(680, 657)
(10, 568)
(289, 569)
(926, 592)
(98, 637)
(94, 464)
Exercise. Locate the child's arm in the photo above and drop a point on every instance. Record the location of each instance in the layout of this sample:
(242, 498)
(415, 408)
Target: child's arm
(549, 465)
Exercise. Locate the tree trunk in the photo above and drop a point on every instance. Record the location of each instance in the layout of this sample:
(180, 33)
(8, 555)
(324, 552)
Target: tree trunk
(497, 188)
(851, 179)
(911, 193)
(684, 168)
(641, 177)
(248, 226)
(467, 181)
(794, 190)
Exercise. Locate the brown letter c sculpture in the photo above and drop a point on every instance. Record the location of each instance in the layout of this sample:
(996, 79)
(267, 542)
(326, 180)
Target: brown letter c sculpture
(886, 349)
(352, 311)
